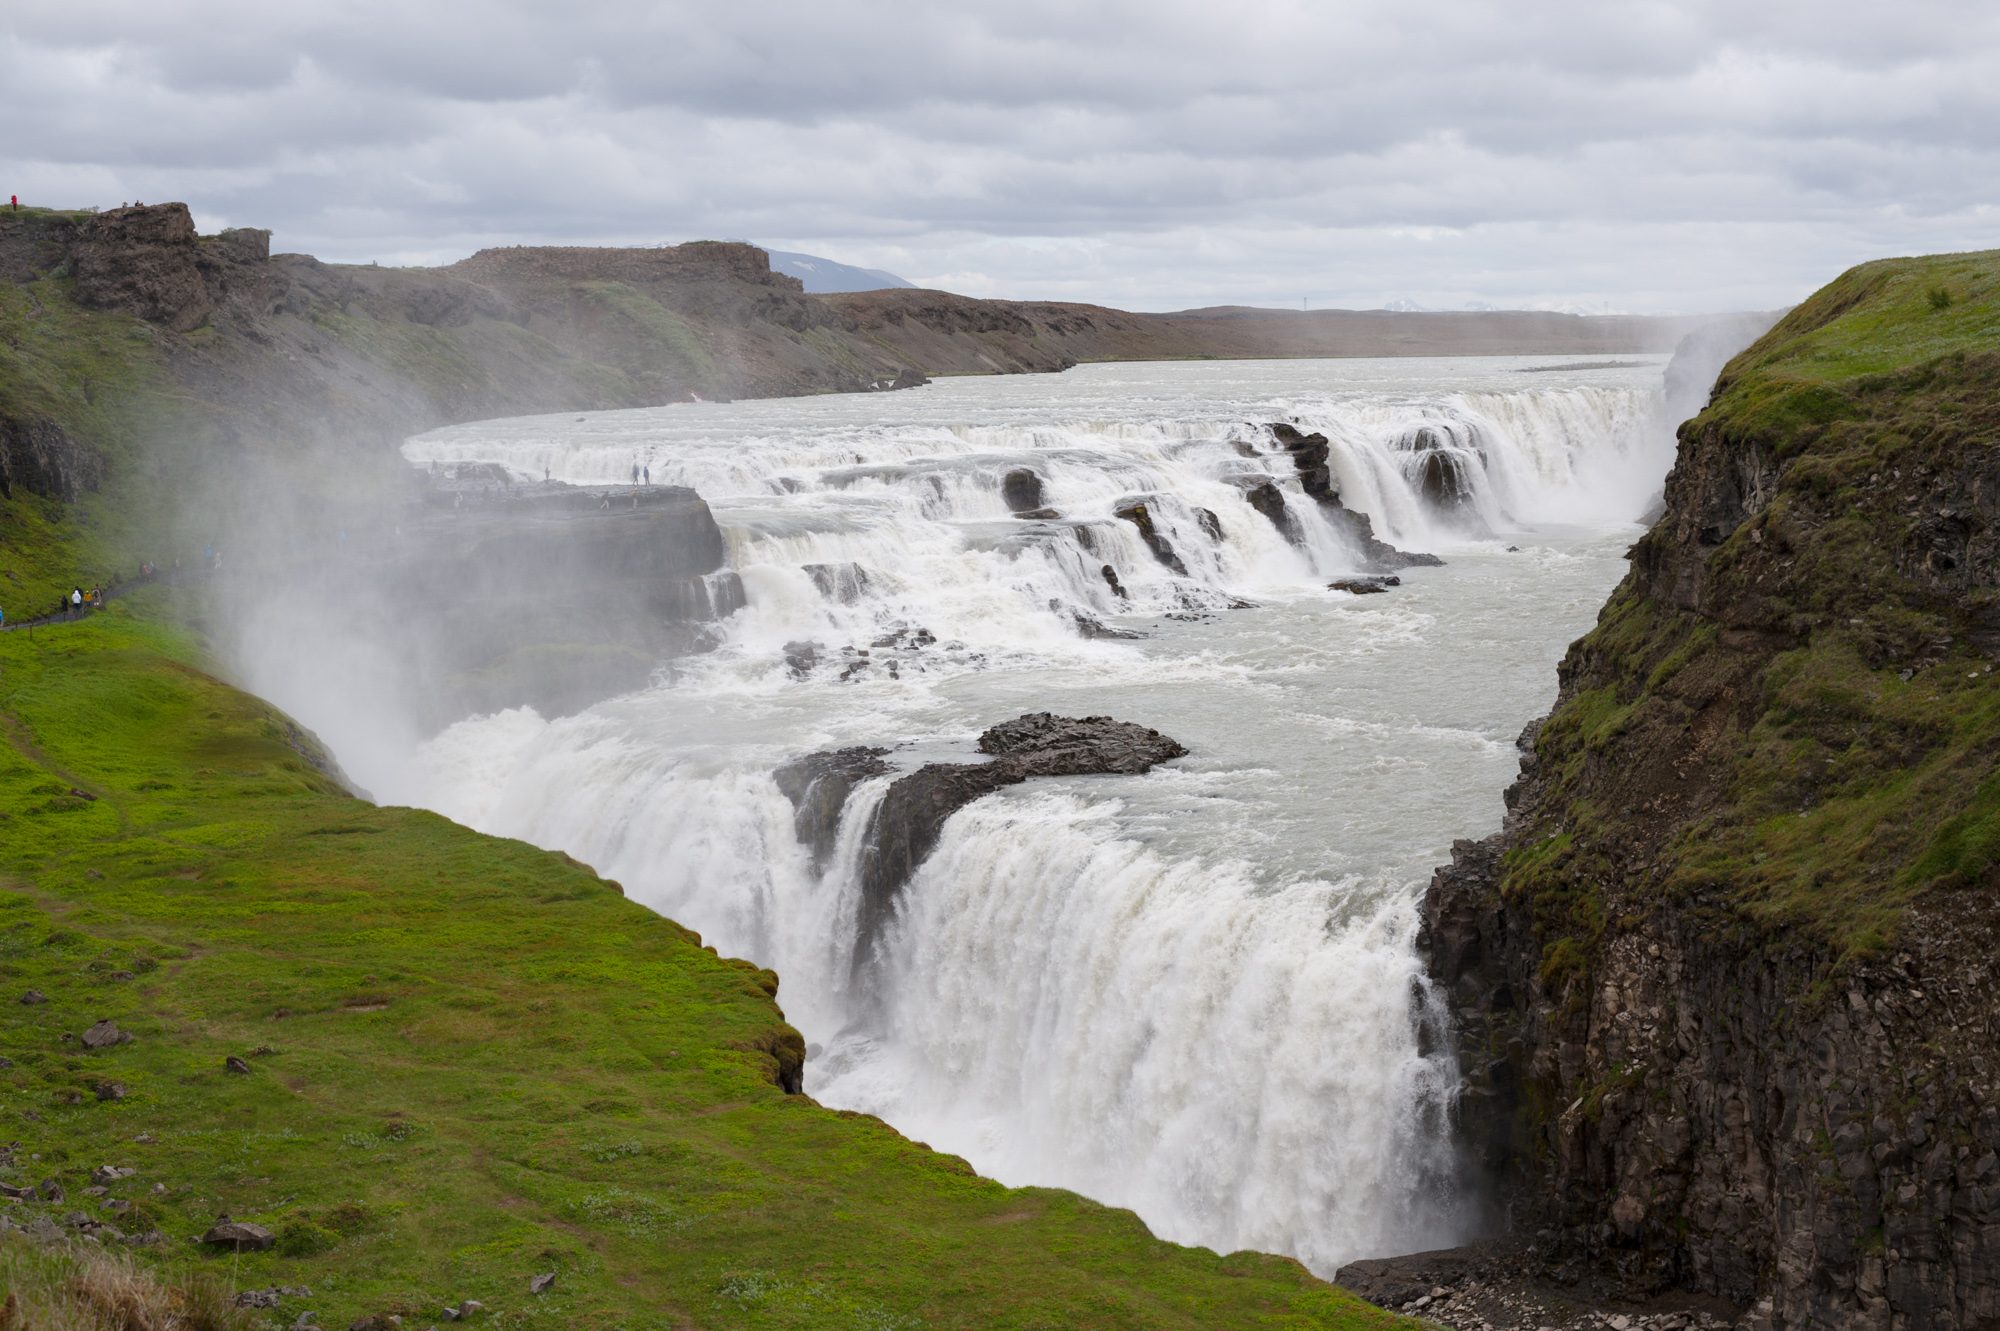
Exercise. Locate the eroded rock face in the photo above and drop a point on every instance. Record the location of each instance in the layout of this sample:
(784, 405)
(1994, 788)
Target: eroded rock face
(907, 823)
(1722, 1131)
(1021, 489)
(1163, 550)
(38, 457)
(142, 261)
(1680, 1090)
(1044, 744)
(913, 812)
(818, 786)
(1267, 499)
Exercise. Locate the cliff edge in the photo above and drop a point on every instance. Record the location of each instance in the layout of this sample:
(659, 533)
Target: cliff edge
(1723, 982)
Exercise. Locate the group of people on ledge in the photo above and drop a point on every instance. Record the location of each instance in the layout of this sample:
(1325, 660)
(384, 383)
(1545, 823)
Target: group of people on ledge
(81, 601)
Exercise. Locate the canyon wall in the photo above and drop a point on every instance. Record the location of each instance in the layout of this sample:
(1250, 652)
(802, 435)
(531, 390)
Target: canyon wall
(1723, 983)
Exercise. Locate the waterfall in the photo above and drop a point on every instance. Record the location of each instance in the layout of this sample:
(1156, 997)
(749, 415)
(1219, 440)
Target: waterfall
(1194, 993)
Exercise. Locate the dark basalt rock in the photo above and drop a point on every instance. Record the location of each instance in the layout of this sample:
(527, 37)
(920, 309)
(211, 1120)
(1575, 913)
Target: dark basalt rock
(1210, 523)
(1668, 1083)
(105, 1035)
(704, 599)
(239, 1236)
(555, 600)
(1111, 581)
(1441, 480)
(912, 814)
(801, 657)
(1139, 516)
(142, 261)
(1039, 515)
(1311, 453)
(1021, 489)
(1091, 627)
(818, 786)
(38, 457)
(1269, 500)
(1366, 586)
(845, 583)
(1044, 744)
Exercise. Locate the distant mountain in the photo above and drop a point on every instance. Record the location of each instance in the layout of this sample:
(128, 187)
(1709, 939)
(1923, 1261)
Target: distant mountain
(1404, 305)
(824, 275)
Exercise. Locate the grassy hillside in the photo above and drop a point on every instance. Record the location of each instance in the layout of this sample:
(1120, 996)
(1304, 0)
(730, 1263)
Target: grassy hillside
(101, 378)
(1789, 710)
(469, 1061)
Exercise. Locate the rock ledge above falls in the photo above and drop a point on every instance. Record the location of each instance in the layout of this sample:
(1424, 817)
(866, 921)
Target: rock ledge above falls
(906, 825)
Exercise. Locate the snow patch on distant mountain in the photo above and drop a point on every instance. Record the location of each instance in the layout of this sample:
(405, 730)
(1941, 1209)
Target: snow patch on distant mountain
(823, 275)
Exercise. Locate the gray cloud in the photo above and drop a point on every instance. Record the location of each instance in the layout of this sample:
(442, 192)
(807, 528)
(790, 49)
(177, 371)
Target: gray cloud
(1171, 153)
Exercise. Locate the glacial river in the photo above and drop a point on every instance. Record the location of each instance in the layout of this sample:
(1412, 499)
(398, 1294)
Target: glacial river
(1193, 993)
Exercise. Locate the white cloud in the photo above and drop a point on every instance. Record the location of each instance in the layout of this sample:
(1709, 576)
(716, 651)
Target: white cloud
(1159, 154)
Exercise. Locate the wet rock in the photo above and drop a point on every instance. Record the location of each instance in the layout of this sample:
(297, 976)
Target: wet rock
(1211, 524)
(1142, 517)
(844, 583)
(1021, 490)
(1039, 515)
(1043, 744)
(1091, 627)
(913, 811)
(1311, 454)
(801, 658)
(1269, 500)
(1370, 585)
(38, 456)
(818, 786)
(1111, 581)
(239, 1236)
(1442, 481)
(705, 599)
(104, 1035)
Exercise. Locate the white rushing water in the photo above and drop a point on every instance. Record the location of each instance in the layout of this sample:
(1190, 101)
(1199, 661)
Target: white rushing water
(1194, 992)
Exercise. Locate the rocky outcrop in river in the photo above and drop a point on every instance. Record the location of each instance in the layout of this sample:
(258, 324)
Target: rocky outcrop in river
(906, 824)
(1312, 454)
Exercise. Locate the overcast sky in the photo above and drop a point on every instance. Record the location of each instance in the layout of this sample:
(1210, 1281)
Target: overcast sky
(1156, 154)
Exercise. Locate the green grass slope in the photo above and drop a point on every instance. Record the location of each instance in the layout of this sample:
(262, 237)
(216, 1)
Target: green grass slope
(100, 378)
(1789, 710)
(469, 1061)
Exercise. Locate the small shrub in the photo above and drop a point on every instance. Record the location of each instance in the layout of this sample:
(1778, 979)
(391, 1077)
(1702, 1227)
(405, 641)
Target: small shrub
(349, 1219)
(304, 1238)
(1939, 298)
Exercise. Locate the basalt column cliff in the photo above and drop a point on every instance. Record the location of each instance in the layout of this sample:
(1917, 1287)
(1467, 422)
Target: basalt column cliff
(1724, 984)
